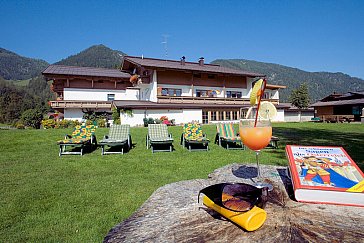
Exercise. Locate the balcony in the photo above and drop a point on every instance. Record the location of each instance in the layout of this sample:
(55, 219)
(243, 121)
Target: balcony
(207, 100)
(60, 104)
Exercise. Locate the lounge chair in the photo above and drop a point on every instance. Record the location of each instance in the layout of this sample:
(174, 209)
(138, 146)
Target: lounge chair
(226, 135)
(158, 137)
(119, 136)
(193, 136)
(82, 136)
(273, 142)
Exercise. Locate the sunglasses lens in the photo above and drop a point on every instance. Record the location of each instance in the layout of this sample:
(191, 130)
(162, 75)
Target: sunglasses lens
(240, 197)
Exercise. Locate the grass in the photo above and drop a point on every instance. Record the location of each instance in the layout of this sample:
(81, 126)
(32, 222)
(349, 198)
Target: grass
(21, 83)
(79, 199)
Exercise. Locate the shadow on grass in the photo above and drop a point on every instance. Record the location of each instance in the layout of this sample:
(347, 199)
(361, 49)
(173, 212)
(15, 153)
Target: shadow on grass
(351, 142)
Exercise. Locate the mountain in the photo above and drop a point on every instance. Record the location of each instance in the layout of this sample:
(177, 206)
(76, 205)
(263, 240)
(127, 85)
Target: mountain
(320, 84)
(16, 67)
(95, 56)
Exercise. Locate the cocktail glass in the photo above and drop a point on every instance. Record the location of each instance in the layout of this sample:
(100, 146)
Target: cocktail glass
(256, 135)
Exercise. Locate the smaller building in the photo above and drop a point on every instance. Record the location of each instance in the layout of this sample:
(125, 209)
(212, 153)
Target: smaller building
(340, 107)
(293, 114)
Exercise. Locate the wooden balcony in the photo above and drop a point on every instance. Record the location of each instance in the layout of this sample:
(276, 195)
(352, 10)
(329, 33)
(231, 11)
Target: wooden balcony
(207, 100)
(60, 104)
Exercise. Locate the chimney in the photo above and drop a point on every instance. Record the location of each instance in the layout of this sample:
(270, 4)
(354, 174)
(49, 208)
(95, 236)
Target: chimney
(183, 60)
(201, 61)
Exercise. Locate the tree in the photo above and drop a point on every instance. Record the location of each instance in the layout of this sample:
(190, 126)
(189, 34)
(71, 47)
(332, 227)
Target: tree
(32, 118)
(300, 98)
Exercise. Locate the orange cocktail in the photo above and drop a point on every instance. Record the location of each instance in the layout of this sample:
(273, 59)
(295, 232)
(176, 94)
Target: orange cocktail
(256, 138)
(256, 135)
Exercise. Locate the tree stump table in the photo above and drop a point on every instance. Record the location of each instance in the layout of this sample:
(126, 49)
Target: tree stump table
(172, 214)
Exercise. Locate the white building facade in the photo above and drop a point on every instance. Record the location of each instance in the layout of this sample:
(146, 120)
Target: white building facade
(152, 88)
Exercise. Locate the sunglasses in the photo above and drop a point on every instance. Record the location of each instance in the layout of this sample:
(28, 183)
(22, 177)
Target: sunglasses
(238, 197)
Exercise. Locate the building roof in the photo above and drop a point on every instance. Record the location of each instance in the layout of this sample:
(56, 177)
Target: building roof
(190, 66)
(347, 96)
(290, 107)
(85, 71)
(339, 102)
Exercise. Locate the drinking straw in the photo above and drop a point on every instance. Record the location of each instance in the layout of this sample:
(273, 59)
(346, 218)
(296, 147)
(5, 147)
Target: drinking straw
(260, 98)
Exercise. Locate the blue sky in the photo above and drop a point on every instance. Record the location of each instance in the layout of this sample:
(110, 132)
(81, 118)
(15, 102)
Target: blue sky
(310, 35)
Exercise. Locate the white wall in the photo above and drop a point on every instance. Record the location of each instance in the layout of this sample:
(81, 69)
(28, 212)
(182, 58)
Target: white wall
(280, 116)
(274, 94)
(99, 94)
(73, 114)
(77, 114)
(293, 116)
(180, 116)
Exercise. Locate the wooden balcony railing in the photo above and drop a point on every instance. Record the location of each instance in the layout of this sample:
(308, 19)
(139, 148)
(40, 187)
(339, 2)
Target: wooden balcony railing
(207, 100)
(80, 104)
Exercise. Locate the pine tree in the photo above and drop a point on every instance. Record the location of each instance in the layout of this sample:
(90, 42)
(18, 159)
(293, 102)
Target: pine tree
(300, 98)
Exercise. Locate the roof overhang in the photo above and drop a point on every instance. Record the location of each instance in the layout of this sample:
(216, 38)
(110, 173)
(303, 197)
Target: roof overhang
(59, 71)
(186, 67)
(274, 86)
(339, 102)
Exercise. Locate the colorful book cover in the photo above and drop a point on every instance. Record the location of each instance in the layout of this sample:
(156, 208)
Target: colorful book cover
(324, 168)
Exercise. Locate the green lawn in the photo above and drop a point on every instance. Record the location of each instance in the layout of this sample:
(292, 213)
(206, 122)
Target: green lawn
(78, 199)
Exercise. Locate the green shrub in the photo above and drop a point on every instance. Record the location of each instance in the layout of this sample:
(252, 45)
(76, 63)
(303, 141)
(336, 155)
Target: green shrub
(64, 123)
(101, 123)
(19, 125)
(74, 123)
(150, 121)
(32, 118)
(145, 121)
(89, 122)
(48, 123)
(117, 121)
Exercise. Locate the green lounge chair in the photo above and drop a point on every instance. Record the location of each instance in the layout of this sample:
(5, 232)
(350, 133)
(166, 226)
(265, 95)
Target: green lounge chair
(193, 136)
(158, 137)
(226, 135)
(82, 136)
(119, 136)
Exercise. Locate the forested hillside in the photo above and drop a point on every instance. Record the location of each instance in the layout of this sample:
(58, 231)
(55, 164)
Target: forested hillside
(320, 84)
(14, 100)
(32, 90)
(95, 56)
(16, 67)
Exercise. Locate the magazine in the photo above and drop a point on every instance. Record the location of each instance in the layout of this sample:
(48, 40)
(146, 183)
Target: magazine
(325, 175)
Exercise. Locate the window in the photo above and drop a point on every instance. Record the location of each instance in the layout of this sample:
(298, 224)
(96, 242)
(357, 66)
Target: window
(206, 93)
(164, 92)
(227, 115)
(233, 94)
(205, 118)
(266, 95)
(213, 116)
(235, 115)
(201, 93)
(110, 97)
(171, 92)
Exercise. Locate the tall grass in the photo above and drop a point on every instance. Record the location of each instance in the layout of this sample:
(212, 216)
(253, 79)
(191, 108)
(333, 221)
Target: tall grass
(78, 199)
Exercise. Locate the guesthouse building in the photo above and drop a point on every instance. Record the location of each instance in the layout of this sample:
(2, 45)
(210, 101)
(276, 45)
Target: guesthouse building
(150, 88)
(340, 107)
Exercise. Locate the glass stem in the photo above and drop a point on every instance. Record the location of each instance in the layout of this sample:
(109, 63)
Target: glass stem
(259, 176)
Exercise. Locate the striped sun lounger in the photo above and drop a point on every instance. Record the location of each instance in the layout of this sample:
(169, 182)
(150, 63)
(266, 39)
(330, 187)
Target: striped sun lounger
(158, 137)
(119, 136)
(226, 135)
